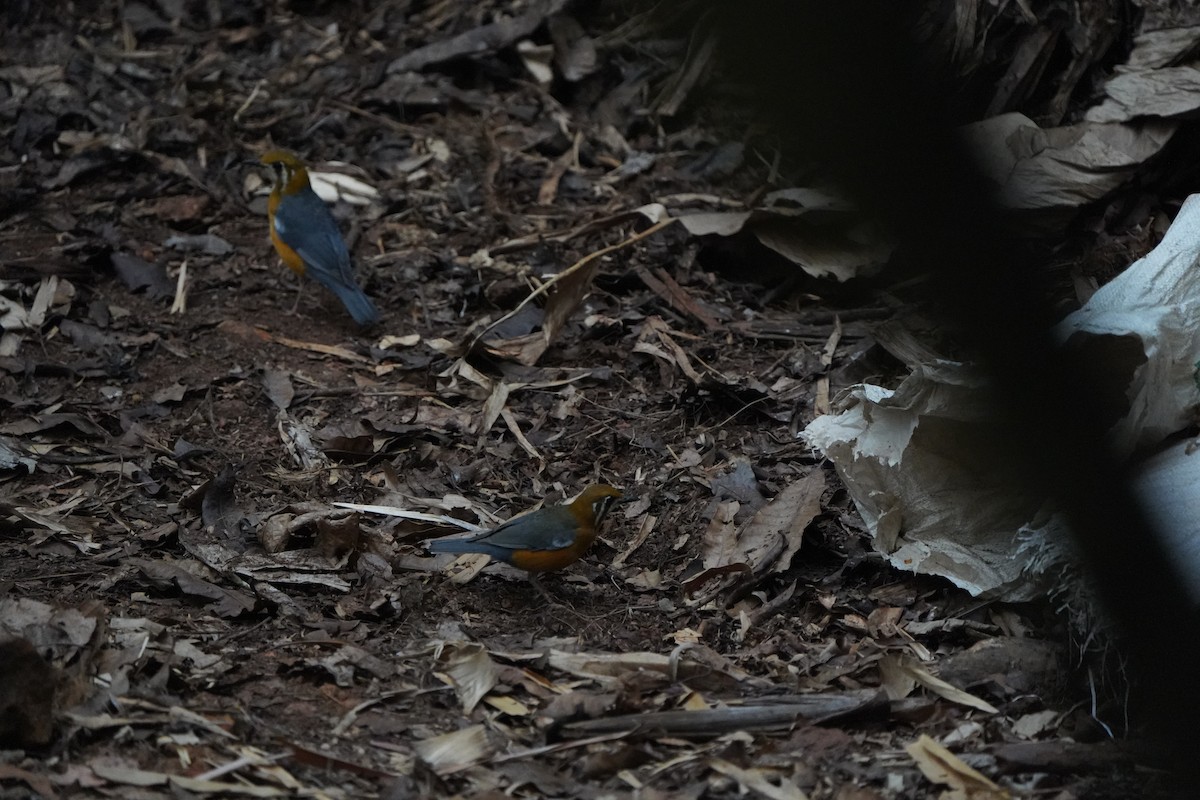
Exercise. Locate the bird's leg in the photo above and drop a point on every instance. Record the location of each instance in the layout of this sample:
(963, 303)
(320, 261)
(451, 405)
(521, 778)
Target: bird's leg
(549, 598)
(299, 294)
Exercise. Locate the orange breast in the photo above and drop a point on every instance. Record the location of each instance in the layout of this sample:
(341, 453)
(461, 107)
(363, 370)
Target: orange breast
(550, 560)
(290, 257)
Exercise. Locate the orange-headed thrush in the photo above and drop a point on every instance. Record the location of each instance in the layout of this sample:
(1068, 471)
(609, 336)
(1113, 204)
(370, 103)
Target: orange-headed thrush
(547, 539)
(307, 238)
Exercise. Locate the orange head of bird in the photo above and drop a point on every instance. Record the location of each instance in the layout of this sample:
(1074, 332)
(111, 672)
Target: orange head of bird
(593, 503)
(290, 174)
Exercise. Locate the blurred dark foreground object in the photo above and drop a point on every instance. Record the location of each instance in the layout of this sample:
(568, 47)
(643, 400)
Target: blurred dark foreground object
(839, 82)
(27, 688)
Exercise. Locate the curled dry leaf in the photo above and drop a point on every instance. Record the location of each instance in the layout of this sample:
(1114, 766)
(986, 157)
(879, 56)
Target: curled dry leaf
(456, 749)
(944, 768)
(772, 536)
(901, 669)
(470, 670)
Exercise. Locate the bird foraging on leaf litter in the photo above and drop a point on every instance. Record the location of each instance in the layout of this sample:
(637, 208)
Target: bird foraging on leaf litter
(544, 540)
(307, 238)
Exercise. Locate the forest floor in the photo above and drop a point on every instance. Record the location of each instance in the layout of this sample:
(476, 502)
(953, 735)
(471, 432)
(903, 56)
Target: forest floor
(177, 440)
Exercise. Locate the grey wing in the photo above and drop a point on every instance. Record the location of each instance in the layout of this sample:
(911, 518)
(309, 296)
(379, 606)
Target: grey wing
(550, 529)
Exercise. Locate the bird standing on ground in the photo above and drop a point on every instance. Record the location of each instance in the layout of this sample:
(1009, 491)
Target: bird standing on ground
(547, 539)
(307, 238)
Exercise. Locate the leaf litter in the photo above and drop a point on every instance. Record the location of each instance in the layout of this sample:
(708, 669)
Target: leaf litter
(212, 509)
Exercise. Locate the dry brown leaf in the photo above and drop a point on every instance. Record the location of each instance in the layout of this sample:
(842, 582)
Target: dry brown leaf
(900, 665)
(338, 535)
(720, 547)
(677, 355)
(455, 749)
(646, 580)
(821, 403)
(492, 407)
(129, 776)
(1030, 725)
(579, 705)
(791, 512)
(507, 704)
(894, 679)
(470, 671)
(773, 535)
(467, 567)
(693, 584)
(644, 531)
(10, 773)
(775, 787)
(608, 668)
(570, 158)
(944, 768)
(661, 283)
(277, 383)
(510, 420)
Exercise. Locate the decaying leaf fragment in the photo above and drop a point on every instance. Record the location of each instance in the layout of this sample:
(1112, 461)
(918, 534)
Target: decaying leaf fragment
(943, 767)
(771, 537)
(776, 787)
(455, 749)
(470, 671)
(815, 229)
(902, 673)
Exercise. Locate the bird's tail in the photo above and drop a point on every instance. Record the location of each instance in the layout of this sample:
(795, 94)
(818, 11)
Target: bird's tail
(469, 546)
(357, 303)
(452, 546)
